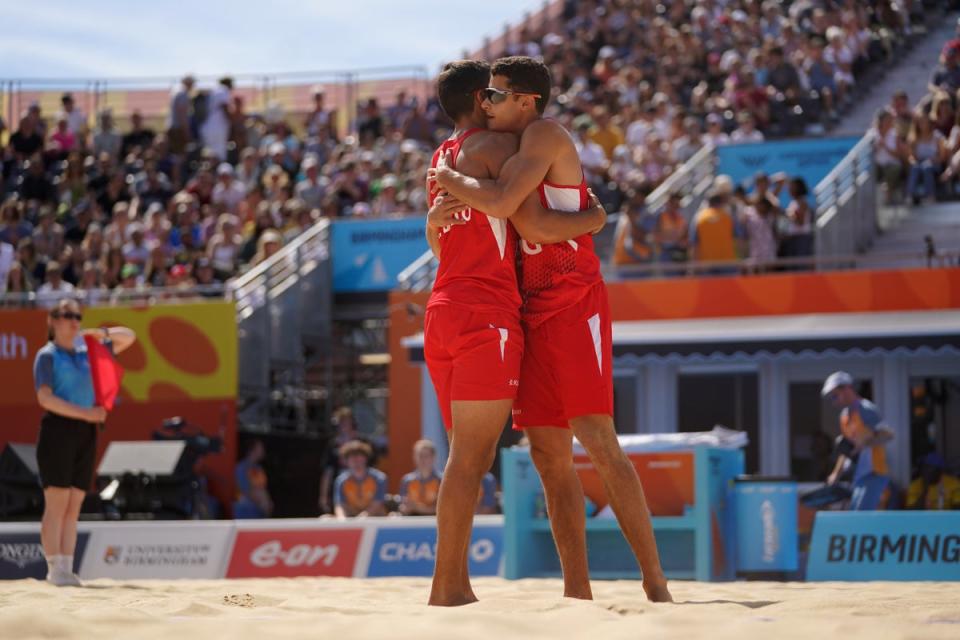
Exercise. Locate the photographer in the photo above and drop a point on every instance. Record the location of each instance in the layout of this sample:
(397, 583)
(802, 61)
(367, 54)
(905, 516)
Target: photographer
(67, 445)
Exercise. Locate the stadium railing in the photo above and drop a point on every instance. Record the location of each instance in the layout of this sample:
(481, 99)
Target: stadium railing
(846, 203)
(140, 296)
(150, 95)
(283, 308)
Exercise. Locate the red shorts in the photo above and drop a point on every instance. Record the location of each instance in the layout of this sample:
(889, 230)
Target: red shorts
(567, 368)
(471, 356)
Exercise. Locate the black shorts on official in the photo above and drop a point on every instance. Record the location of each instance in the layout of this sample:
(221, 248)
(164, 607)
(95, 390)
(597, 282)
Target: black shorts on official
(66, 452)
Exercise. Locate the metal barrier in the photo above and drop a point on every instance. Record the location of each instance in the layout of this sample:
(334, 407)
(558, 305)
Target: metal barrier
(283, 306)
(139, 296)
(846, 204)
(151, 95)
(903, 260)
(692, 179)
(419, 276)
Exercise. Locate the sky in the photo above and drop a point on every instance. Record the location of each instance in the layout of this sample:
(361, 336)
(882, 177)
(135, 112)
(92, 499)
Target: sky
(121, 38)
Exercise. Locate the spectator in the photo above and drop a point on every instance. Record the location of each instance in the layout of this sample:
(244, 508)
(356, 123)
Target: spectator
(106, 139)
(934, 489)
(269, 243)
(76, 118)
(224, 247)
(760, 224)
(135, 250)
(632, 241)
(312, 188)
(253, 497)
(820, 76)
(797, 236)
(346, 431)
(139, 135)
(54, 287)
(215, 129)
(671, 231)
(864, 436)
(713, 232)
(386, 202)
(35, 184)
(17, 280)
(946, 76)
(228, 192)
(370, 123)
(889, 154)
(26, 140)
(359, 491)
(420, 488)
(416, 126)
(206, 278)
(927, 152)
(747, 131)
(321, 120)
(715, 135)
(63, 141)
(179, 132)
(604, 133)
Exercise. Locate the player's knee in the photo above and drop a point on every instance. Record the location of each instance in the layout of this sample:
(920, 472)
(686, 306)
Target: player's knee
(550, 463)
(468, 462)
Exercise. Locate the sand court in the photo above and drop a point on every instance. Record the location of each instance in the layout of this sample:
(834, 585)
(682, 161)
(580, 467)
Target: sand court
(394, 608)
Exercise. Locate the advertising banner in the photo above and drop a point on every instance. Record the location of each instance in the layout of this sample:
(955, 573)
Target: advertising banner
(368, 255)
(885, 545)
(21, 555)
(411, 551)
(289, 553)
(157, 551)
(22, 333)
(811, 160)
(183, 351)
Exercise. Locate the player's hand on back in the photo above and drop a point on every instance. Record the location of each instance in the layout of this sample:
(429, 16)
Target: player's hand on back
(445, 212)
(596, 207)
(444, 168)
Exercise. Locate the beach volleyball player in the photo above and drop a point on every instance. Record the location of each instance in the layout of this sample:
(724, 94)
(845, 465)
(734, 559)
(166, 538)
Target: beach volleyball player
(473, 341)
(566, 378)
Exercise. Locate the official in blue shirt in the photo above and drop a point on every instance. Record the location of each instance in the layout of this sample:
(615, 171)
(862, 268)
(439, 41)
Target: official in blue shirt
(67, 445)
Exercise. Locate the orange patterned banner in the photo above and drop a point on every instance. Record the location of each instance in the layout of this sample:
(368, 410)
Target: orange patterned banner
(182, 352)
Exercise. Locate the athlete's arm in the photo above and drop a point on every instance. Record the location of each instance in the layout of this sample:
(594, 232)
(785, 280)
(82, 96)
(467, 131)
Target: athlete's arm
(518, 177)
(536, 224)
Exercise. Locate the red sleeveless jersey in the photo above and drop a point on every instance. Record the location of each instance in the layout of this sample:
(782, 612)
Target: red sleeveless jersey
(557, 276)
(477, 259)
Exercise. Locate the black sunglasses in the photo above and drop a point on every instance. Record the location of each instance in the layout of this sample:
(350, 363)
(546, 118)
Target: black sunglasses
(496, 96)
(67, 315)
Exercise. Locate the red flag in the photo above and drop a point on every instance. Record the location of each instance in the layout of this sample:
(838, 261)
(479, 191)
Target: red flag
(105, 371)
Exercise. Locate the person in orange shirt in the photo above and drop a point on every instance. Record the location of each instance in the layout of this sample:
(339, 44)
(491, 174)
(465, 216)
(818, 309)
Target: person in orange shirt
(604, 132)
(360, 490)
(865, 435)
(253, 498)
(419, 489)
(713, 234)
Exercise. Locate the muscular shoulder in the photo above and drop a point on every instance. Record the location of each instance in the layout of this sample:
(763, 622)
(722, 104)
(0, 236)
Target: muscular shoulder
(545, 131)
(492, 145)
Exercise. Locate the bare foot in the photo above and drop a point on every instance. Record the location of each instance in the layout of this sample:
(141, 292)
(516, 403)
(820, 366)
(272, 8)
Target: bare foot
(579, 595)
(453, 600)
(657, 592)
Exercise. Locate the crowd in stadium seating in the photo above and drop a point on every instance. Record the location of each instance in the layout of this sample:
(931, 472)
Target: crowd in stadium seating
(917, 148)
(113, 210)
(642, 86)
(645, 84)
